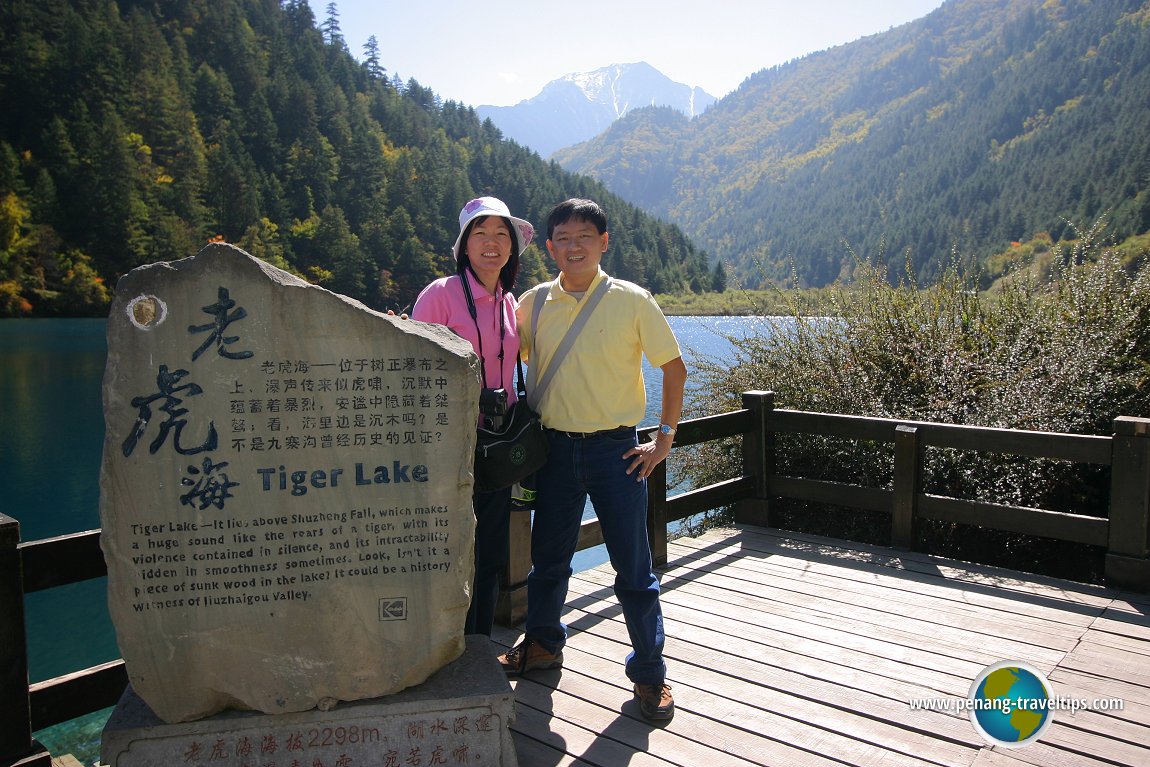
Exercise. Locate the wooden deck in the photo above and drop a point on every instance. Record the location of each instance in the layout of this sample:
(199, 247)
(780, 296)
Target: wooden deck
(802, 650)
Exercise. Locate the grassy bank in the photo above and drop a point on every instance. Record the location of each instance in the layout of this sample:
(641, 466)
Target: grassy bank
(744, 303)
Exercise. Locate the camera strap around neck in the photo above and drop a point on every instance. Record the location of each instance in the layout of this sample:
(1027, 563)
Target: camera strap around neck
(536, 384)
(499, 307)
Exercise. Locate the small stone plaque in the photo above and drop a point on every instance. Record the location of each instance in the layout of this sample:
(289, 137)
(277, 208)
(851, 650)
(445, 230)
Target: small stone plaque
(286, 490)
(459, 716)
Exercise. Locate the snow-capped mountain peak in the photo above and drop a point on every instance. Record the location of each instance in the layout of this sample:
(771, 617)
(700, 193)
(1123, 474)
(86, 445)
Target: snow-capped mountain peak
(579, 106)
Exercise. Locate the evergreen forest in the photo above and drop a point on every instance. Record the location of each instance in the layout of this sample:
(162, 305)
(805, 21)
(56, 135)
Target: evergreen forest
(982, 124)
(136, 131)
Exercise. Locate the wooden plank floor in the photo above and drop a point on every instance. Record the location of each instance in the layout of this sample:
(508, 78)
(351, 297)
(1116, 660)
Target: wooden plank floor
(799, 650)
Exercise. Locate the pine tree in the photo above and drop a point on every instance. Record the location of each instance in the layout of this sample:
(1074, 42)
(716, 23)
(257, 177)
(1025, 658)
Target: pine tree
(330, 27)
(719, 278)
(342, 253)
(375, 70)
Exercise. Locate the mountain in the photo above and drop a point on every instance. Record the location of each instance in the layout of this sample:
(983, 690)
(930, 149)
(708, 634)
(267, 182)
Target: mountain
(983, 123)
(134, 132)
(578, 106)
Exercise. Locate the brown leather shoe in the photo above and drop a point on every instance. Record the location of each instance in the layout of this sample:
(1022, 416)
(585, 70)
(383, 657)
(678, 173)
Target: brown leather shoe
(529, 655)
(655, 701)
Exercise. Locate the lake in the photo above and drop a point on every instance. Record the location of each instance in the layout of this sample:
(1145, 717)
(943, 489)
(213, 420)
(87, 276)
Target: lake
(50, 379)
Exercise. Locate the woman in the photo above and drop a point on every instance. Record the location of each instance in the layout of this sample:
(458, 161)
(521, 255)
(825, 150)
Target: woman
(487, 254)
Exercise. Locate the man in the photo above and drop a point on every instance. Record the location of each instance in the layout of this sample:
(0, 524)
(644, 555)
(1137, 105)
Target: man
(590, 410)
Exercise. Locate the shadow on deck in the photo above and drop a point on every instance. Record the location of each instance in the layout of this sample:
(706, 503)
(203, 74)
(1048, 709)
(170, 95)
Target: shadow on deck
(798, 650)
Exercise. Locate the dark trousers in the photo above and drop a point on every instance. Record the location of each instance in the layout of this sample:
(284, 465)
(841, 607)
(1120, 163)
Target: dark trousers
(492, 525)
(576, 469)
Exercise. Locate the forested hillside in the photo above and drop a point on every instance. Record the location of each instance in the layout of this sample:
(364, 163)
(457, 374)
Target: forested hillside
(135, 131)
(986, 122)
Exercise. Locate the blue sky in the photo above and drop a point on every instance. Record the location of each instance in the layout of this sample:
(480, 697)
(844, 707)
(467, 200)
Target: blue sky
(503, 53)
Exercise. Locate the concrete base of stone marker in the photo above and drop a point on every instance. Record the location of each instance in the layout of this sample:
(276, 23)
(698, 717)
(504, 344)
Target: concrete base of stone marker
(462, 714)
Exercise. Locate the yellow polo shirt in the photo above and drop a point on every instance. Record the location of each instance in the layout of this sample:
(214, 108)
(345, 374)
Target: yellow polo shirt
(600, 383)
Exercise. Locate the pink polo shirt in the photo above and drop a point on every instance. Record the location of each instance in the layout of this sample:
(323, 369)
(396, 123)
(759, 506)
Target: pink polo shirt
(444, 303)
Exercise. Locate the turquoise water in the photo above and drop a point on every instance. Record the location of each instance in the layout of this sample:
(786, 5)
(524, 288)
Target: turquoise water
(49, 466)
(50, 374)
(50, 454)
(52, 424)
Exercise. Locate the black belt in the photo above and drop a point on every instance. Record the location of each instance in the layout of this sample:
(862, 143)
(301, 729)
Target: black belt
(618, 430)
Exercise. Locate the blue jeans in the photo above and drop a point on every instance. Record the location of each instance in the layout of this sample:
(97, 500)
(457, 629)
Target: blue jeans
(492, 524)
(575, 469)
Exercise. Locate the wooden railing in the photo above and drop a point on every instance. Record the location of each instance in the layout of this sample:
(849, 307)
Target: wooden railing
(26, 568)
(1125, 532)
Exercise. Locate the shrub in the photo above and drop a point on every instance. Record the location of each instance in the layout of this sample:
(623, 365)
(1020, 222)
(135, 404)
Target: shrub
(1068, 355)
(12, 304)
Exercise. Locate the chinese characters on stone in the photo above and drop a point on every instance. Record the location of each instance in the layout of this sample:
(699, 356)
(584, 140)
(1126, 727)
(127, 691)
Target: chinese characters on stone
(287, 404)
(435, 741)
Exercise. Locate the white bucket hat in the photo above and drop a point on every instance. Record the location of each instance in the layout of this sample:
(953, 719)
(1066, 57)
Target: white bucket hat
(521, 229)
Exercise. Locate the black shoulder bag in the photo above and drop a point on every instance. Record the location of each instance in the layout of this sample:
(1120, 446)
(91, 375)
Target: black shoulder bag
(519, 449)
(513, 446)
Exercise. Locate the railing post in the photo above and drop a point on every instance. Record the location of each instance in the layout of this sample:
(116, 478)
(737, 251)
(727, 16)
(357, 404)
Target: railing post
(657, 515)
(907, 484)
(1127, 565)
(512, 606)
(758, 459)
(16, 744)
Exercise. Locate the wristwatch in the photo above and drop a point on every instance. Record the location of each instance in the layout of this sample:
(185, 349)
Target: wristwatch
(665, 429)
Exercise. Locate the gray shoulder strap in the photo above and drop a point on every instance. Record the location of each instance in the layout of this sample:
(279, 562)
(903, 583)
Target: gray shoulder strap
(535, 385)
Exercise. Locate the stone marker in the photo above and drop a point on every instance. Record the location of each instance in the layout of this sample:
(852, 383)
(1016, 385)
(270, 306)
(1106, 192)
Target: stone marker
(286, 490)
